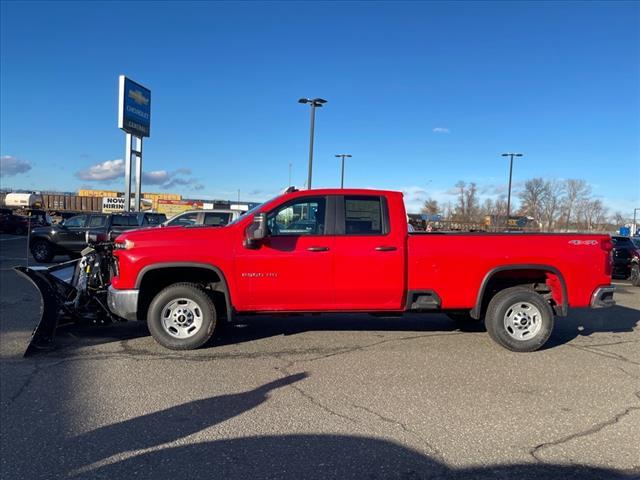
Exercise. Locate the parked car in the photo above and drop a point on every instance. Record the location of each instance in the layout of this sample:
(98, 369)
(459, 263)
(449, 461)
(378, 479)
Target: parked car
(625, 256)
(69, 237)
(353, 253)
(211, 218)
(10, 222)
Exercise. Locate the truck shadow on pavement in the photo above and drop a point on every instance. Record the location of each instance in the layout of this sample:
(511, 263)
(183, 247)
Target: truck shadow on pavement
(98, 453)
(579, 323)
(321, 457)
(585, 322)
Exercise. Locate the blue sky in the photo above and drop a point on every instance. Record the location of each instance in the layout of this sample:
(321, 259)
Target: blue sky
(421, 94)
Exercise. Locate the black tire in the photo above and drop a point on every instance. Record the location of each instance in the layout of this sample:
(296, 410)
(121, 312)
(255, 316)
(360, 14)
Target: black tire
(168, 301)
(635, 275)
(519, 304)
(463, 317)
(42, 251)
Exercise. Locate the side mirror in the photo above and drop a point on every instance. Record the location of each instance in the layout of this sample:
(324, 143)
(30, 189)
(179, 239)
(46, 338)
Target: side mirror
(256, 231)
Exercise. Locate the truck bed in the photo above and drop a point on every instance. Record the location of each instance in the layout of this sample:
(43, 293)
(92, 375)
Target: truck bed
(454, 265)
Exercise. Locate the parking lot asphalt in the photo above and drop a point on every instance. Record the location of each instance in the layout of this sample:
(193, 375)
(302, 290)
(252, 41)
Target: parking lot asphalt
(335, 396)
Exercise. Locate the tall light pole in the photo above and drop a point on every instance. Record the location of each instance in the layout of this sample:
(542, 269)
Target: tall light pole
(510, 175)
(313, 102)
(343, 156)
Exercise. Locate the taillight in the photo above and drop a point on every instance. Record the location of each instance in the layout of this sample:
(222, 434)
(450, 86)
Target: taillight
(607, 245)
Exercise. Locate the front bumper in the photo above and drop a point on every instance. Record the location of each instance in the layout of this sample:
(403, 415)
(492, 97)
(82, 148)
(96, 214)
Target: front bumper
(123, 303)
(603, 297)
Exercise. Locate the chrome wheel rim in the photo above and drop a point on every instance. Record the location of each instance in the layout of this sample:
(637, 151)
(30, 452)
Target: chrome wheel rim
(182, 318)
(523, 321)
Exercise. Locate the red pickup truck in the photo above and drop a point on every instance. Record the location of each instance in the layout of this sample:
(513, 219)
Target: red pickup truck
(349, 250)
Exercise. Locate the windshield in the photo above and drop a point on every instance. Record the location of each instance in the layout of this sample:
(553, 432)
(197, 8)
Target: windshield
(636, 242)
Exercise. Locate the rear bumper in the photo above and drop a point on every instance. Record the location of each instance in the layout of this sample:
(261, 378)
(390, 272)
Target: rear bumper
(603, 297)
(123, 303)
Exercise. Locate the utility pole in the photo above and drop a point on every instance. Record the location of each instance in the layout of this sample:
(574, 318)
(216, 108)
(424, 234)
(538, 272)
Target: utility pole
(343, 156)
(510, 176)
(315, 102)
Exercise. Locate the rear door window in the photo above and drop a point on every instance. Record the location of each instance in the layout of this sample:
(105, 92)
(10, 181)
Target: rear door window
(123, 221)
(363, 215)
(97, 221)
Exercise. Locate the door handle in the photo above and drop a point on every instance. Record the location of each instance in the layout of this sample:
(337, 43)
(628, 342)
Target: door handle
(385, 248)
(318, 249)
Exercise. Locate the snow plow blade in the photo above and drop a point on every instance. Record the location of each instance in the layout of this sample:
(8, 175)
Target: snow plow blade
(55, 285)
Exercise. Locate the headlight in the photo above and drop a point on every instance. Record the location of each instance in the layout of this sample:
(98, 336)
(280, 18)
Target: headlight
(126, 245)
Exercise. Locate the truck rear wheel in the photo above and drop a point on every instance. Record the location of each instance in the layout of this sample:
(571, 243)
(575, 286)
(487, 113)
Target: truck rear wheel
(519, 319)
(182, 317)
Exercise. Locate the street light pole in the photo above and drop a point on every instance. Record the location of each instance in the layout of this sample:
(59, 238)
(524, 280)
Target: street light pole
(510, 176)
(315, 102)
(343, 156)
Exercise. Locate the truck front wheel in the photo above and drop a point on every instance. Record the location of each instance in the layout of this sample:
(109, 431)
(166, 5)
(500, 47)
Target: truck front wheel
(519, 319)
(181, 317)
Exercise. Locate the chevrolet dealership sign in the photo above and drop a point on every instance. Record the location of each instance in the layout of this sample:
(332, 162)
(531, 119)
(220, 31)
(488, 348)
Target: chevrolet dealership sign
(134, 108)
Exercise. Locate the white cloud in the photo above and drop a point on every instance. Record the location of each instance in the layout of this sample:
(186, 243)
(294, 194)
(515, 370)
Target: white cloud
(10, 166)
(103, 172)
(110, 170)
(157, 177)
(441, 130)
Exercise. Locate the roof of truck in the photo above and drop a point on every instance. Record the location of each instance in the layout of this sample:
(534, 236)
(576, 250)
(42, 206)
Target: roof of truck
(346, 191)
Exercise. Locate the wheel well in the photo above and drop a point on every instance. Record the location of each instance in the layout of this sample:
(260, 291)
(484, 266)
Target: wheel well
(155, 280)
(548, 282)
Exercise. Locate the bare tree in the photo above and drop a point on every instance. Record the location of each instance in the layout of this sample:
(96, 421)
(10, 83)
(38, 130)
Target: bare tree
(532, 198)
(619, 219)
(467, 208)
(431, 207)
(550, 203)
(461, 206)
(590, 214)
(576, 190)
(488, 207)
(501, 206)
(473, 209)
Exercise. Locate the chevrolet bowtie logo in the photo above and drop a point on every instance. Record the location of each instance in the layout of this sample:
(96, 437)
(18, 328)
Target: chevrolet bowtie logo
(138, 97)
